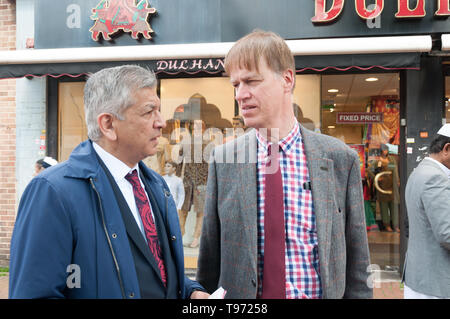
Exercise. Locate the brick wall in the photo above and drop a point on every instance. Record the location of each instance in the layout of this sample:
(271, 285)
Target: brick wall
(7, 133)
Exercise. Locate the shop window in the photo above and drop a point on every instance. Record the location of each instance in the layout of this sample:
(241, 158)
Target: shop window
(200, 114)
(307, 101)
(363, 111)
(70, 118)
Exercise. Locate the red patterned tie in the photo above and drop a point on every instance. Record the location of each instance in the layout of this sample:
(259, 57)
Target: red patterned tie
(274, 273)
(147, 221)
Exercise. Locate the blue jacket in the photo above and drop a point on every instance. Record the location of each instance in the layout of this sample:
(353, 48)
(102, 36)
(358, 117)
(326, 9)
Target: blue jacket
(69, 224)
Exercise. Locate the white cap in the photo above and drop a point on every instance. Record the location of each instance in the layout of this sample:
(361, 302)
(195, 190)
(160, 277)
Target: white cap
(445, 130)
(50, 161)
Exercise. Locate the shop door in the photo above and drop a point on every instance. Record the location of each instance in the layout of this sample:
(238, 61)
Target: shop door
(363, 110)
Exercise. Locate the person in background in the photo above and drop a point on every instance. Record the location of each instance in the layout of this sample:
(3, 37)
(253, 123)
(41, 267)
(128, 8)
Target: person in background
(427, 196)
(43, 163)
(175, 183)
(102, 224)
(284, 211)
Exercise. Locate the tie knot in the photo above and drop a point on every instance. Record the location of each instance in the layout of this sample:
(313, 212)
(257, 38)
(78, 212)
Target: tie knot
(132, 177)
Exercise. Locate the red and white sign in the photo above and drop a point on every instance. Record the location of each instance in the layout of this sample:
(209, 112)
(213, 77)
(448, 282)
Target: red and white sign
(405, 9)
(358, 118)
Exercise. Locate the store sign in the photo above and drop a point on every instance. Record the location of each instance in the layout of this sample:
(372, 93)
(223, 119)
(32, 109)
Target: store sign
(190, 65)
(358, 118)
(404, 9)
(111, 16)
(79, 22)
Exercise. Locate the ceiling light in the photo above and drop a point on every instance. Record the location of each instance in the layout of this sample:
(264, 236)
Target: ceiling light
(331, 126)
(333, 90)
(372, 79)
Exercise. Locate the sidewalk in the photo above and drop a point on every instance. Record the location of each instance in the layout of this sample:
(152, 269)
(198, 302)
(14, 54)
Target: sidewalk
(387, 290)
(4, 287)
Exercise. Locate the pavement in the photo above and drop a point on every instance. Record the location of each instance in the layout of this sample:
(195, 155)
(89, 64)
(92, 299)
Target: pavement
(4, 287)
(388, 286)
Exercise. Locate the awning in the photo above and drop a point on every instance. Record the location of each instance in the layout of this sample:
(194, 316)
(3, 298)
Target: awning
(358, 62)
(311, 55)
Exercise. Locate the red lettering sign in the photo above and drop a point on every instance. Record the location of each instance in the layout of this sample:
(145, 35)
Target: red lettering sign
(362, 11)
(358, 118)
(325, 16)
(405, 12)
(443, 8)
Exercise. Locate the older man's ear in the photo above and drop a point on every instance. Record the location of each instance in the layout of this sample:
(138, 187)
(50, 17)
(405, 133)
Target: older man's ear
(106, 125)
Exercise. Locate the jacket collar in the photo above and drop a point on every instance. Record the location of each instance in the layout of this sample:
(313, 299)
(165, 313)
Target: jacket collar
(83, 163)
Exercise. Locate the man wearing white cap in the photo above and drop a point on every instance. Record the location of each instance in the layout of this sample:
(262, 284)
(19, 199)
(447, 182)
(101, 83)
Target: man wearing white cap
(43, 163)
(427, 265)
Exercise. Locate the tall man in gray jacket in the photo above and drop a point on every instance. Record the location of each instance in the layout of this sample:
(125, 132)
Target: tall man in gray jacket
(284, 213)
(427, 265)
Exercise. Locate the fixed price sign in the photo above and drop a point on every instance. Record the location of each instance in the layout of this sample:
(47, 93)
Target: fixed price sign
(358, 117)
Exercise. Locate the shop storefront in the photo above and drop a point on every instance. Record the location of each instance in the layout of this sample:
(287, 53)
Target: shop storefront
(373, 75)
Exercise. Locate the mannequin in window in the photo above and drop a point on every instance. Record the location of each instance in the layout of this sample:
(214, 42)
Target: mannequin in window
(387, 182)
(195, 175)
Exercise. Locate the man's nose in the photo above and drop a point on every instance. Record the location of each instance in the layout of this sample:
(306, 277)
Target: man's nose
(160, 122)
(241, 93)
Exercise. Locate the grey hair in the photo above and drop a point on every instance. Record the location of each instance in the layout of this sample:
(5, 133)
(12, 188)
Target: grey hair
(111, 91)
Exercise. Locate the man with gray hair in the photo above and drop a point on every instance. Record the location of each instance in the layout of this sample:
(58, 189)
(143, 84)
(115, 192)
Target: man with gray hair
(101, 224)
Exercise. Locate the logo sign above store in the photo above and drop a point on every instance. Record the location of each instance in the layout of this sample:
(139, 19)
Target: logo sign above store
(358, 118)
(213, 21)
(190, 65)
(111, 16)
(404, 10)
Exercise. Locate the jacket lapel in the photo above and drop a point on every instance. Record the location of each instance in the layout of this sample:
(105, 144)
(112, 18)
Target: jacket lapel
(321, 172)
(131, 226)
(247, 176)
(159, 226)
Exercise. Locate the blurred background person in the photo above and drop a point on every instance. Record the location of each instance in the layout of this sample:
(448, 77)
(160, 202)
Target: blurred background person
(43, 163)
(175, 183)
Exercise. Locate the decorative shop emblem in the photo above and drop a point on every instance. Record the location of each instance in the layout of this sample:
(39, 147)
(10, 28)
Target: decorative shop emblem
(111, 16)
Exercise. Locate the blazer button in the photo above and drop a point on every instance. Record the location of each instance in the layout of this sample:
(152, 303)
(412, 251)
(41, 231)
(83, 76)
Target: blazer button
(254, 282)
(174, 238)
(131, 295)
(114, 235)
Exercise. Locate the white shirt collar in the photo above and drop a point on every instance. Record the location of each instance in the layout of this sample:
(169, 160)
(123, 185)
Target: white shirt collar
(116, 167)
(444, 168)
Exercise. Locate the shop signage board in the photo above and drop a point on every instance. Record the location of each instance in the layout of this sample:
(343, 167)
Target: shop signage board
(207, 21)
(358, 117)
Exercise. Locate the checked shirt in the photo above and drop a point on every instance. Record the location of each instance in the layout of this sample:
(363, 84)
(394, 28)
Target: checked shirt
(302, 257)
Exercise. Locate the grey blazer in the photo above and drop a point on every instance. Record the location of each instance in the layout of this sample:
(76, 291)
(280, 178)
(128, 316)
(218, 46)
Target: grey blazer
(427, 265)
(228, 249)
